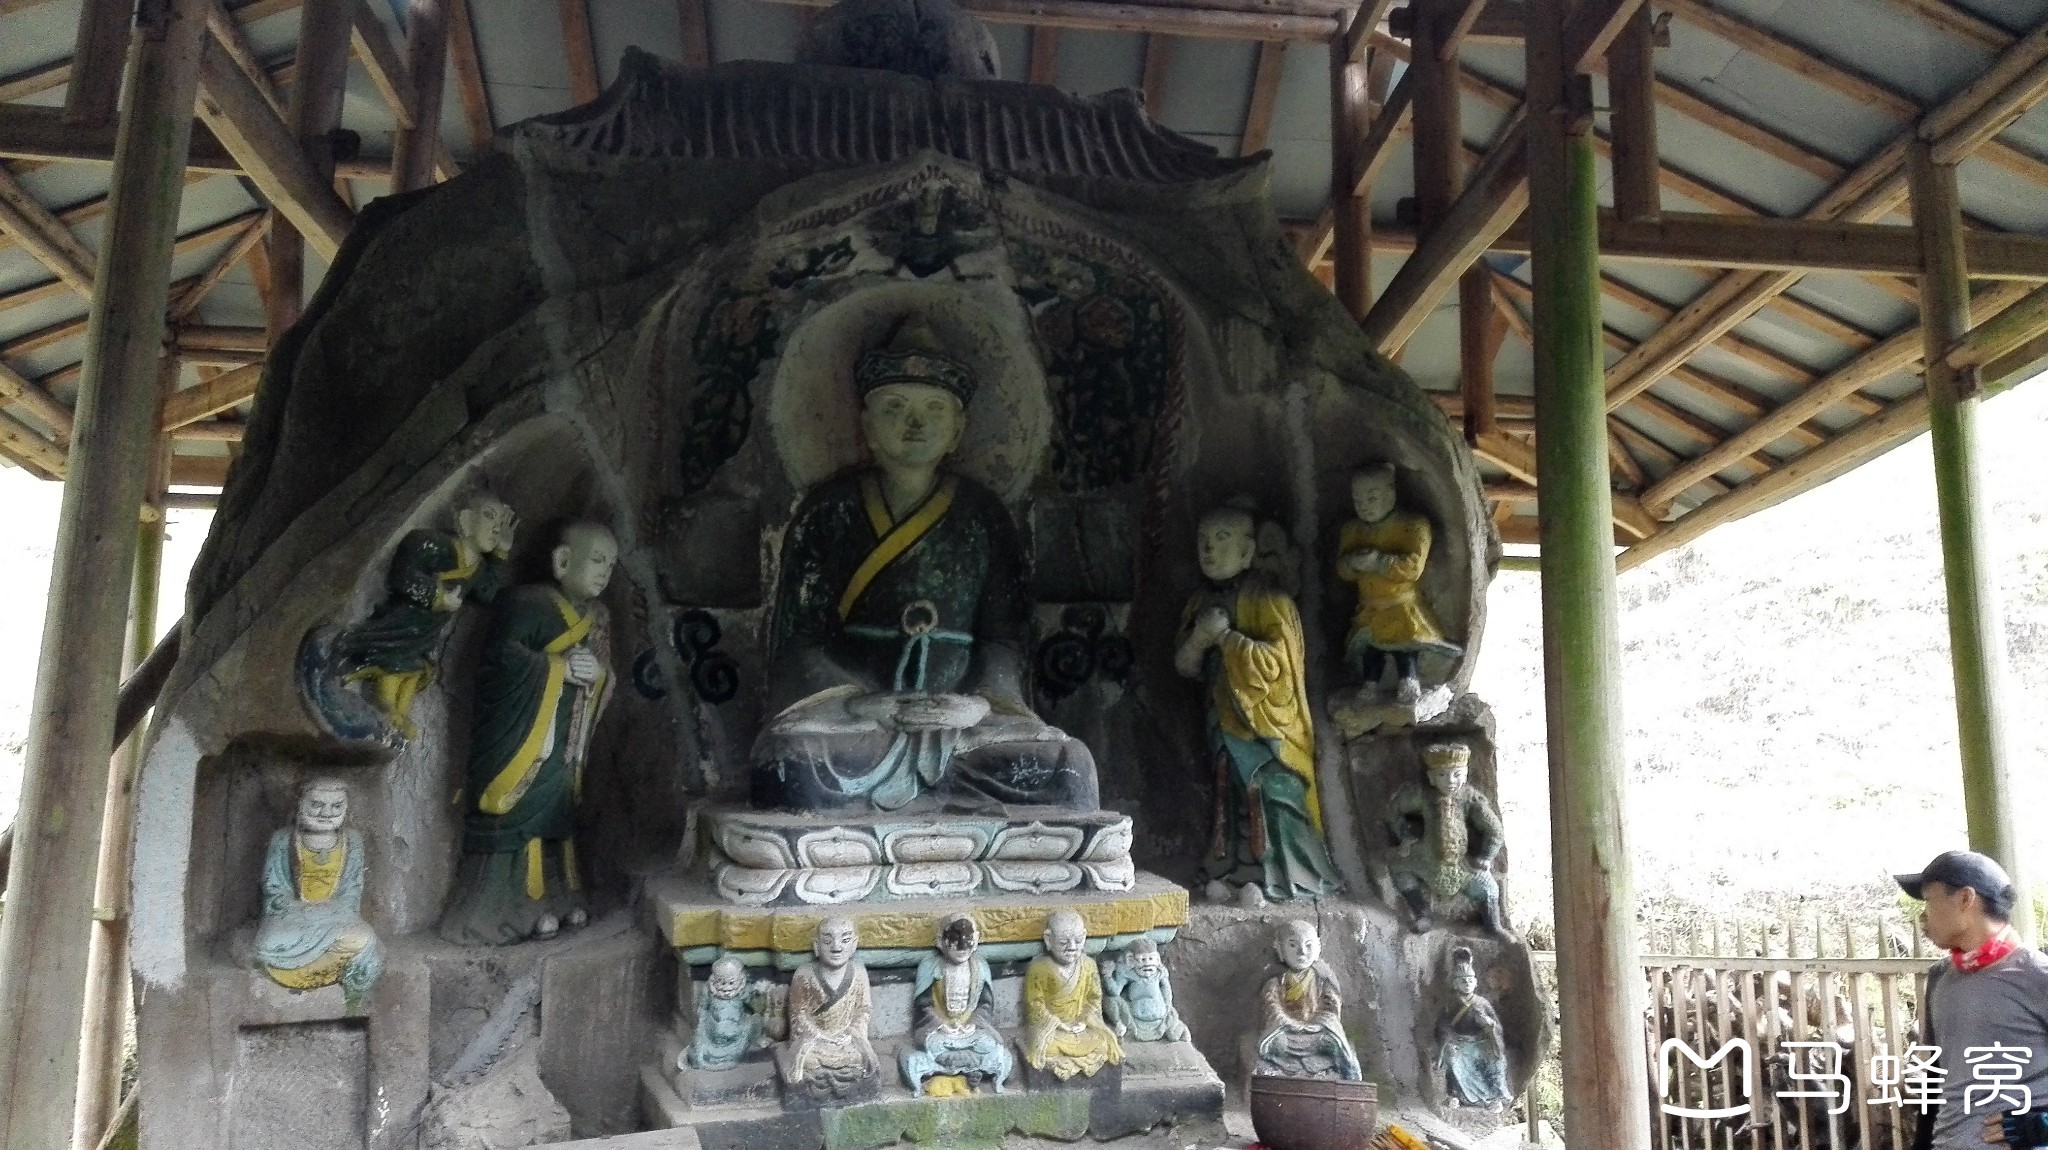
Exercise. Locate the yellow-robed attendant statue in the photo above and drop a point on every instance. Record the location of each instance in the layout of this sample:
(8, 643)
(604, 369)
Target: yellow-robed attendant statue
(541, 685)
(1384, 553)
(1244, 637)
(1063, 1028)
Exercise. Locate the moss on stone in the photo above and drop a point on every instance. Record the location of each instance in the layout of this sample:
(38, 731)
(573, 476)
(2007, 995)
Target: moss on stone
(977, 1123)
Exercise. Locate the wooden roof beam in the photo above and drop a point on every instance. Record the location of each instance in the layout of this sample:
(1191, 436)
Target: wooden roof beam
(1045, 54)
(251, 131)
(579, 45)
(1959, 22)
(1364, 26)
(1519, 461)
(467, 63)
(371, 45)
(1200, 18)
(188, 301)
(211, 397)
(44, 236)
(1152, 77)
(93, 91)
(1265, 97)
(696, 32)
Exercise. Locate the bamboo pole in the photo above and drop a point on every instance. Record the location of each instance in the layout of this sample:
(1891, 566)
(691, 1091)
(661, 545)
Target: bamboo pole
(1351, 112)
(1599, 969)
(43, 934)
(1975, 622)
(107, 987)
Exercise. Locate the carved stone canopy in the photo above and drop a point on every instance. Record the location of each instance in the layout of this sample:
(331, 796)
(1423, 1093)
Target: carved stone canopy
(934, 39)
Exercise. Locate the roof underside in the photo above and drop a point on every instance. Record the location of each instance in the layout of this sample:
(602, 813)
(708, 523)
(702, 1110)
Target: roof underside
(1764, 106)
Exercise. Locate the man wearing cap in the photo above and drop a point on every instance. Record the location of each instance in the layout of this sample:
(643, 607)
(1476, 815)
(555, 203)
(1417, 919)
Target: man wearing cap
(1990, 992)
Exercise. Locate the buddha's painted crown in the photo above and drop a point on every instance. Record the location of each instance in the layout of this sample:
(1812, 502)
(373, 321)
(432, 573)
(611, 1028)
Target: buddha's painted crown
(914, 354)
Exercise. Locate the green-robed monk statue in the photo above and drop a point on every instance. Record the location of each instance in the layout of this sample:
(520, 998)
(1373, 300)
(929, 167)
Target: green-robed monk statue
(901, 611)
(543, 680)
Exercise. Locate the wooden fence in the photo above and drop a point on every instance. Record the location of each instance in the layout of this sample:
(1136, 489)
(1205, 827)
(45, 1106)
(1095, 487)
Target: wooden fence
(1850, 990)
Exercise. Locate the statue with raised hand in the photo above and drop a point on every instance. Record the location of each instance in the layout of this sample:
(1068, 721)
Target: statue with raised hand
(899, 619)
(541, 685)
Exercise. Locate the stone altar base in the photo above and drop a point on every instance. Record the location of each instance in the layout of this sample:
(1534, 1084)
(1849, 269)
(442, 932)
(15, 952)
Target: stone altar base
(773, 858)
(1158, 1082)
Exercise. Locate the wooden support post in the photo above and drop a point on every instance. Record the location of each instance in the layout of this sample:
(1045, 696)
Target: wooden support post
(414, 149)
(1158, 59)
(579, 43)
(1632, 93)
(1479, 329)
(1258, 113)
(319, 74)
(71, 735)
(1976, 626)
(696, 30)
(469, 71)
(1350, 112)
(1599, 971)
(1045, 54)
(104, 1030)
(1438, 139)
(93, 93)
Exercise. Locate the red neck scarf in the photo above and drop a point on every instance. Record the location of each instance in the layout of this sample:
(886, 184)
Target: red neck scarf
(1996, 947)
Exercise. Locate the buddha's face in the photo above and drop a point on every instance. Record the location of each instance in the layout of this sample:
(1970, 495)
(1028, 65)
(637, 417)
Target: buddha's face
(728, 979)
(1448, 779)
(322, 810)
(583, 562)
(912, 424)
(1298, 947)
(1066, 939)
(1146, 963)
(486, 524)
(1372, 495)
(1226, 546)
(958, 939)
(835, 942)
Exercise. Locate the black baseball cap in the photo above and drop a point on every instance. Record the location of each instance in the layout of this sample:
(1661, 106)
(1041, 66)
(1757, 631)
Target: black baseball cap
(1959, 869)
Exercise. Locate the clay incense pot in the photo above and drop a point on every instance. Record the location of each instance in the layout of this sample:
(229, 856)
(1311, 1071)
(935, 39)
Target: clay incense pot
(1313, 1113)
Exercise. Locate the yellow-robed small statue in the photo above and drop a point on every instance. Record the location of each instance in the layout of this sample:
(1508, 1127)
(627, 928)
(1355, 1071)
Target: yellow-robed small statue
(1384, 553)
(1244, 637)
(1063, 1028)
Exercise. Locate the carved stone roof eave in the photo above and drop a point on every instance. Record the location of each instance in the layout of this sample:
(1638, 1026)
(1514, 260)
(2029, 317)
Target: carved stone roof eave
(823, 116)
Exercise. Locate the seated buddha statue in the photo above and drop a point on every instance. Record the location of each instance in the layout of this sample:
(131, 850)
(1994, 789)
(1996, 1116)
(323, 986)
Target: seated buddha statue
(1302, 1024)
(900, 613)
(313, 934)
(955, 1043)
(828, 1057)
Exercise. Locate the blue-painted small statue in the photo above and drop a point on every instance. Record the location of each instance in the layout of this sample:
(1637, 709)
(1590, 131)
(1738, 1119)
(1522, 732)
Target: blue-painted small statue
(1140, 999)
(955, 1043)
(313, 934)
(731, 1018)
(1471, 1048)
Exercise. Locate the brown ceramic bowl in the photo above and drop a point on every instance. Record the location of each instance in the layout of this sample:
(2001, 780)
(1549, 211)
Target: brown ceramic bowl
(1313, 1113)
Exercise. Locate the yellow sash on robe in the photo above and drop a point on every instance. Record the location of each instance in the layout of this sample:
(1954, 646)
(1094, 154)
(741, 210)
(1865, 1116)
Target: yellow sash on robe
(510, 785)
(1048, 999)
(318, 875)
(1262, 694)
(893, 538)
(466, 565)
(1389, 609)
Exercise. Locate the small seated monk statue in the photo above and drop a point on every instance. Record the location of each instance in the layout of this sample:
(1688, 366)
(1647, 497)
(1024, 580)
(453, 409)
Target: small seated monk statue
(1303, 1026)
(1140, 999)
(828, 1057)
(901, 612)
(730, 1024)
(954, 1041)
(313, 934)
(1063, 1028)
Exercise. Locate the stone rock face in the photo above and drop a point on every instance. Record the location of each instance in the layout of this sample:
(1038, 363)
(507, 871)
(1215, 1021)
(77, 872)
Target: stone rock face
(506, 1107)
(934, 39)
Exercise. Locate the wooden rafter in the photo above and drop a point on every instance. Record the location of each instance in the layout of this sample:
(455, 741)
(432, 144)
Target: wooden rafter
(251, 131)
(93, 91)
(1265, 97)
(467, 64)
(579, 44)
(211, 397)
(44, 236)
(1959, 22)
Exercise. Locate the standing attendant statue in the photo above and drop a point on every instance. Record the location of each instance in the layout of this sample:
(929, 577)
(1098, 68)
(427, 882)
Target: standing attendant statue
(1446, 837)
(1064, 1032)
(1472, 1053)
(829, 1058)
(1139, 1004)
(955, 1043)
(900, 615)
(541, 686)
(1302, 1035)
(730, 1020)
(313, 934)
(1384, 552)
(1244, 637)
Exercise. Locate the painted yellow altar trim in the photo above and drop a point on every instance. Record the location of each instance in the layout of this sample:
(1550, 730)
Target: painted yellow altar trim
(895, 541)
(789, 930)
(506, 790)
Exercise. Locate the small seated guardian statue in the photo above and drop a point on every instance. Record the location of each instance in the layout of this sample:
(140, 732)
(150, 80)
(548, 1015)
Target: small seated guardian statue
(542, 683)
(1384, 552)
(828, 1057)
(1243, 636)
(954, 1041)
(1064, 1032)
(1471, 1053)
(1140, 999)
(1445, 839)
(900, 614)
(730, 1019)
(313, 934)
(1302, 1032)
